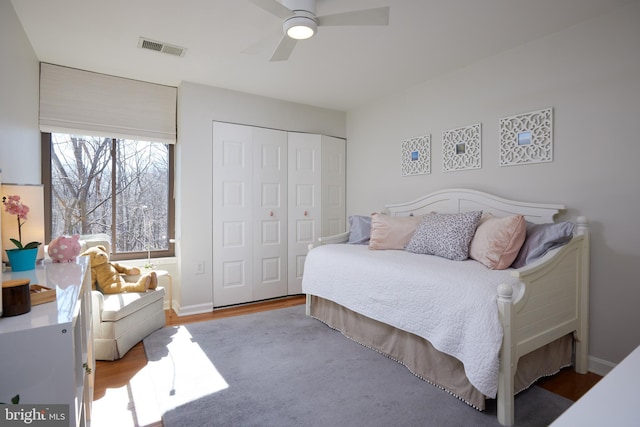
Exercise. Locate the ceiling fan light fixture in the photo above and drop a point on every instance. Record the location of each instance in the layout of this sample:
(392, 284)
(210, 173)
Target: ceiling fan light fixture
(300, 27)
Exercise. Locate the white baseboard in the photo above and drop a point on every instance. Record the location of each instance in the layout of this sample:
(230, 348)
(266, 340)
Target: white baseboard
(193, 309)
(600, 366)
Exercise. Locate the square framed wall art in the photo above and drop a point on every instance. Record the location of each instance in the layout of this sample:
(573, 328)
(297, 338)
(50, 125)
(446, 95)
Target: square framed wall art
(416, 156)
(462, 148)
(527, 138)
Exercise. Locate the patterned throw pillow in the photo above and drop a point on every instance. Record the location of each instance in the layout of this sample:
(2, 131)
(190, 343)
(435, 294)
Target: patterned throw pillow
(445, 235)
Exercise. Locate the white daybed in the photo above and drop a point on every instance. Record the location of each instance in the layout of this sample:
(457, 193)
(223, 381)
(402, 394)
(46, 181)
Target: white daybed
(541, 309)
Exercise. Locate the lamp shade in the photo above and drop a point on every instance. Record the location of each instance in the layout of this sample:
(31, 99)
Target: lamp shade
(300, 27)
(33, 229)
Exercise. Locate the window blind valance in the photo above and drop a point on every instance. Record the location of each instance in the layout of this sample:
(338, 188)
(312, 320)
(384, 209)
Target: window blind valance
(86, 103)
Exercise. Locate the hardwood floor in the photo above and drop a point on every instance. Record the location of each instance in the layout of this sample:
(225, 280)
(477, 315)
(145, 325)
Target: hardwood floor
(569, 384)
(122, 394)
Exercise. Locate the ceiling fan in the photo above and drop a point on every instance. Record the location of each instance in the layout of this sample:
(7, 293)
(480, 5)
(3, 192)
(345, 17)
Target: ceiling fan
(300, 21)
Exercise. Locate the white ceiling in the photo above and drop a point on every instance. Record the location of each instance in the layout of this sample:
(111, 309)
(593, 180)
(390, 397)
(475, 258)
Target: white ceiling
(339, 68)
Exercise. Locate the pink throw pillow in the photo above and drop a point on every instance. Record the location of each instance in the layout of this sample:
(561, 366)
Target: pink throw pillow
(498, 240)
(392, 232)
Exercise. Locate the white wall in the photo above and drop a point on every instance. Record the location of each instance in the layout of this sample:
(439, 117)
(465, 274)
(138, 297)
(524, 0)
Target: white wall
(198, 107)
(590, 75)
(19, 83)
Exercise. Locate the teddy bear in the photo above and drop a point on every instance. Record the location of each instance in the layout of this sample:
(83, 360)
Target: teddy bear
(64, 248)
(107, 276)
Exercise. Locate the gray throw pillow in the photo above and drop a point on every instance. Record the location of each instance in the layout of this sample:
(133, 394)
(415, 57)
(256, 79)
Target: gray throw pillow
(541, 238)
(359, 230)
(445, 235)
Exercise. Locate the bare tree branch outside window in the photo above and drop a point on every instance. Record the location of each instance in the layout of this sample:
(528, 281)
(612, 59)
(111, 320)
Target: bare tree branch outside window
(112, 186)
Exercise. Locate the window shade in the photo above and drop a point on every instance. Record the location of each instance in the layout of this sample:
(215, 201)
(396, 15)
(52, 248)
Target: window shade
(85, 103)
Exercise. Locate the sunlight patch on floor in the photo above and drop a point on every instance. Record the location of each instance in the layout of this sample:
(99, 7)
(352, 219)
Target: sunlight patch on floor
(132, 405)
(184, 373)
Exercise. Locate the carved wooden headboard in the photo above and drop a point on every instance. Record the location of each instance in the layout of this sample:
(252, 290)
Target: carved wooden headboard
(463, 200)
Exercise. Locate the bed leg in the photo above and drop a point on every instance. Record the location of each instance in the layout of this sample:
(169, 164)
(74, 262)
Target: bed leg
(307, 309)
(506, 402)
(508, 360)
(582, 356)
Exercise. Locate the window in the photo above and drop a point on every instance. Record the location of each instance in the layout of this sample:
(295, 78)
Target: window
(119, 187)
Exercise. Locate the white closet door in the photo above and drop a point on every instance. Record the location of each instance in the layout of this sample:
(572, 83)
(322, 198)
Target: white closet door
(270, 213)
(232, 214)
(334, 181)
(304, 202)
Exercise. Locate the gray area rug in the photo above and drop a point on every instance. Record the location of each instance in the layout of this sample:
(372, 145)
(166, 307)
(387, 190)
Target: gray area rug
(282, 368)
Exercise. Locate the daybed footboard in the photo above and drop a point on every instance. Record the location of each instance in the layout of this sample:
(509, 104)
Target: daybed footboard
(553, 302)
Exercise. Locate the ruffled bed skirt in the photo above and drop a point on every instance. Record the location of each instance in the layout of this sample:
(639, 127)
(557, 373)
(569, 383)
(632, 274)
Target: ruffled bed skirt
(431, 365)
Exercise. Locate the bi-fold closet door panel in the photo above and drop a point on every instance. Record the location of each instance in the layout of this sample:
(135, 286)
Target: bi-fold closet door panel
(317, 182)
(270, 213)
(249, 213)
(305, 203)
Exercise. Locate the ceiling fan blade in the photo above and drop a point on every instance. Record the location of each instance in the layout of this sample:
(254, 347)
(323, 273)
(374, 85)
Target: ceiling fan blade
(264, 43)
(284, 49)
(376, 16)
(274, 8)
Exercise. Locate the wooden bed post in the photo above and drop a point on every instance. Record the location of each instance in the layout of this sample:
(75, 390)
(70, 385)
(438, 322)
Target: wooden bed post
(508, 360)
(582, 334)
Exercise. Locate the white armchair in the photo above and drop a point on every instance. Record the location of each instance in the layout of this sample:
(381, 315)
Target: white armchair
(120, 321)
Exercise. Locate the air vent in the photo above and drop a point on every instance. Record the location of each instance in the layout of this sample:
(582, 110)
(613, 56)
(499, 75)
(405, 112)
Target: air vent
(161, 47)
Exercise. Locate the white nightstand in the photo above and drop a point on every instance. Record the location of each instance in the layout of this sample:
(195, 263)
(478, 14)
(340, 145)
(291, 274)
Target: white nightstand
(46, 355)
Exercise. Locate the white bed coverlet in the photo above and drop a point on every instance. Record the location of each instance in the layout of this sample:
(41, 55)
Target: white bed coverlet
(452, 304)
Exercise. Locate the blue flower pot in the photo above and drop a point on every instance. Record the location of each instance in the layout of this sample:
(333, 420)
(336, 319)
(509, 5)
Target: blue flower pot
(22, 259)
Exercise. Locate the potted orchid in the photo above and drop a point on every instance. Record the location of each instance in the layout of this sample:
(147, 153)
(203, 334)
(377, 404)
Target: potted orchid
(23, 257)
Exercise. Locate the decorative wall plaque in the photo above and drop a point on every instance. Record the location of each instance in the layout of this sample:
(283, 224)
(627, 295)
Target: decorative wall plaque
(527, 138)
(462, 148)
(416, 156)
